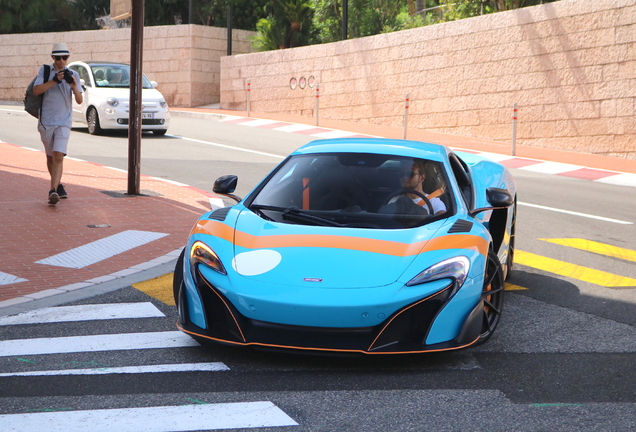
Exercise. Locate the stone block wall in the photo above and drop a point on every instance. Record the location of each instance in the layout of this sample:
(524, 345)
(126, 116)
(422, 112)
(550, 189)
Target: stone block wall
(569, 65)
(183, 59)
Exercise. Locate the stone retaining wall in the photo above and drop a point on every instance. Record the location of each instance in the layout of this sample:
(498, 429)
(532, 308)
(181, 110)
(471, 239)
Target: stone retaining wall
(183, 59)
(569, 65)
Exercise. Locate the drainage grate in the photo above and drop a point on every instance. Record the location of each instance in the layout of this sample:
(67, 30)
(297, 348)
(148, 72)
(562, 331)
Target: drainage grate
(124, 194)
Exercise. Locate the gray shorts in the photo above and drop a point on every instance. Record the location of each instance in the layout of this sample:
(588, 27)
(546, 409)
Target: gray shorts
(54, 138)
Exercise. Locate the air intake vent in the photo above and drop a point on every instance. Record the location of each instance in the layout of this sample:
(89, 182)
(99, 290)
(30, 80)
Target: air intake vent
(461, 226)
(220, 214)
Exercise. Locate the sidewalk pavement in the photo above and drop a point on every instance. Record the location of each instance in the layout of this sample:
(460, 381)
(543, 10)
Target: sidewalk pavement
(100, 239)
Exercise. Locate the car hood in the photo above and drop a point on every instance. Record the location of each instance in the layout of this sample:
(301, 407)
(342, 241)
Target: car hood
(323, 257)
(123, 94)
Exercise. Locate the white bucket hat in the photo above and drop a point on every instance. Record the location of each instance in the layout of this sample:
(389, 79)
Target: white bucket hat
(60, 49)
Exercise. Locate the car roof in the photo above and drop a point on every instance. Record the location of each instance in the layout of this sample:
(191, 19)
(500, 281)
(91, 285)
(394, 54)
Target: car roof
(97, 62)
(387, 146)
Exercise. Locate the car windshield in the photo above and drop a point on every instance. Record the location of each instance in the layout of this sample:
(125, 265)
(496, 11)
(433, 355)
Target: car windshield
(356, 190)
(115, 76)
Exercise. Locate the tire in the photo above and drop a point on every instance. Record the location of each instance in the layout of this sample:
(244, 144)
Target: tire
(92, 118)
(177, 277)
(492, 295)
(160, 132)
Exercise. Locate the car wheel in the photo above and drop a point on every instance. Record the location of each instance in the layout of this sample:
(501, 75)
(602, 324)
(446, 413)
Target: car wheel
(511, 246)
(160, 132)
(93, 122)
(177, 277)
(492, 295)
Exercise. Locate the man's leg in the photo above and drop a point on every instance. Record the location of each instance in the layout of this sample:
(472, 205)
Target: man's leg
(55, 166)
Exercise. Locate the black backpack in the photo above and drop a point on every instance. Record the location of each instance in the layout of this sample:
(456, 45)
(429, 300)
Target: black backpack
(32, 103)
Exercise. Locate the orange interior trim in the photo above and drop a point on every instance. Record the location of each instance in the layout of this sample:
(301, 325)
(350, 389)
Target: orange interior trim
(305, 193)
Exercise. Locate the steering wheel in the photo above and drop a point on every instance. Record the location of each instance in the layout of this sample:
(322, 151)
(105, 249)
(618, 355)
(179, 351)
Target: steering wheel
(412, 191)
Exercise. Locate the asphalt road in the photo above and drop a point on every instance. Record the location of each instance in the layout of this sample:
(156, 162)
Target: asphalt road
(561, 359)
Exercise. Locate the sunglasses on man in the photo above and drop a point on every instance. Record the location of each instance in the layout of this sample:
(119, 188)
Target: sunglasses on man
(58, 58)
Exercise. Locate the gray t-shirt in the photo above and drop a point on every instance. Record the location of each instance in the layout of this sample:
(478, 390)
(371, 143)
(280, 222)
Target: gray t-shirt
(57, 105)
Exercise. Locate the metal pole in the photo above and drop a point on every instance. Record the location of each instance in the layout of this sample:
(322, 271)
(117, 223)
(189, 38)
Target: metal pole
(317, 104)
(229, 30)
(345, 18)
(249, 88)
(406, 115)
(134, 117)
(514, 128)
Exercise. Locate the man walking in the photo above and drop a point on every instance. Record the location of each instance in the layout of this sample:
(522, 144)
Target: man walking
(56, 115)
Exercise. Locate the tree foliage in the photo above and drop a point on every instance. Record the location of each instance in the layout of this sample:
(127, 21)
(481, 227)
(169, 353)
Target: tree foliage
(459, 9)
(289, 23)
(279, 23)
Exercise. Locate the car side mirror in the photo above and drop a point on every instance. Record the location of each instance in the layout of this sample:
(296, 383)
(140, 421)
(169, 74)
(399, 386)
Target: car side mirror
(498, 198)
(154, 84)
(83, 84)
(226, 186)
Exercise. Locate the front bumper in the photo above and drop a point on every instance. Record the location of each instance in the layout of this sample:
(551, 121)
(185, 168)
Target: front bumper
(403, 332)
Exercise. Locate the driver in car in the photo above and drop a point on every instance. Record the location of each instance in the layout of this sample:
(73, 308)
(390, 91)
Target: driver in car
(413, 180)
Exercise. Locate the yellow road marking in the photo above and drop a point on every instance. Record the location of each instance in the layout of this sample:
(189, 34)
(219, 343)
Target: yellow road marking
(596, 247)
(159, 288)
(573, 271)
(513, 287)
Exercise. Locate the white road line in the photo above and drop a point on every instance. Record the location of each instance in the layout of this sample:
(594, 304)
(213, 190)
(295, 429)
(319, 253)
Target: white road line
(88, 312)
(152, 419)
(294, 128)
(102, 249)
(6, 279)
(616, 221)
(181, 367)
(108, 342)
(334, 134)
(216, 203)
(620, 179)
(551, 168)
(229, 147)
(259, 122)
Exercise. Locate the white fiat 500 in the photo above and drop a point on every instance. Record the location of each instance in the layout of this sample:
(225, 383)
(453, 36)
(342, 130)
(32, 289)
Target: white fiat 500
(106, 99)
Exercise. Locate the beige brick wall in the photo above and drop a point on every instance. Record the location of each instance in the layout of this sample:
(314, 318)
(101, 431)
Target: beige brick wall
(569, 65)
(183, 59)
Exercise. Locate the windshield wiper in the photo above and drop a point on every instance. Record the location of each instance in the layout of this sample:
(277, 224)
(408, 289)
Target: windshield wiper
(294, 213)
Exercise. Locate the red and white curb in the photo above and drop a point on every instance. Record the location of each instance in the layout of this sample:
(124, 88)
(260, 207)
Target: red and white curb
(526, 164)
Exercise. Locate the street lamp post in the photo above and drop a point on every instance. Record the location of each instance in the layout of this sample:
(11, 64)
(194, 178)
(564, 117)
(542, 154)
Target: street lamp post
(345, 18)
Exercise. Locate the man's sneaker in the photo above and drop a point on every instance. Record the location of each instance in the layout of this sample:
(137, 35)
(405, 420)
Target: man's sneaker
(53, 197)
(61, 192)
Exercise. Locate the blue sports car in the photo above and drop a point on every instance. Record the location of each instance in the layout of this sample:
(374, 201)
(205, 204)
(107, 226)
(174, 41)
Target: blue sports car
(358, 245)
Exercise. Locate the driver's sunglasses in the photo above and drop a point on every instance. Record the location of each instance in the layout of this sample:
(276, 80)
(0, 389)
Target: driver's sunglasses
(58, 58)
(409, 174)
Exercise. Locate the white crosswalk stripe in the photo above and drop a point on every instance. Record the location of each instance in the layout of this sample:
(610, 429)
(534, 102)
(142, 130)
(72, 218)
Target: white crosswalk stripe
(6, 279)
(84, 313)
(103, 342)
(189, 417)
(181, 367)
(154, 419)
(101, 249)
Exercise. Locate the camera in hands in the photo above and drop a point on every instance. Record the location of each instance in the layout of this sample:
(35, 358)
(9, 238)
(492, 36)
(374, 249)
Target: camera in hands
(68, 76)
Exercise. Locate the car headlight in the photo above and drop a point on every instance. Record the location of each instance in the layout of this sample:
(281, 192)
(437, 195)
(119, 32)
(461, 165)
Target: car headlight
(200, 253)
(163, 103)
(455, 268)
(112, 101)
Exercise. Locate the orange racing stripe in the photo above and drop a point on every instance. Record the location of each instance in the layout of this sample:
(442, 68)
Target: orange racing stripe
(386, 247)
